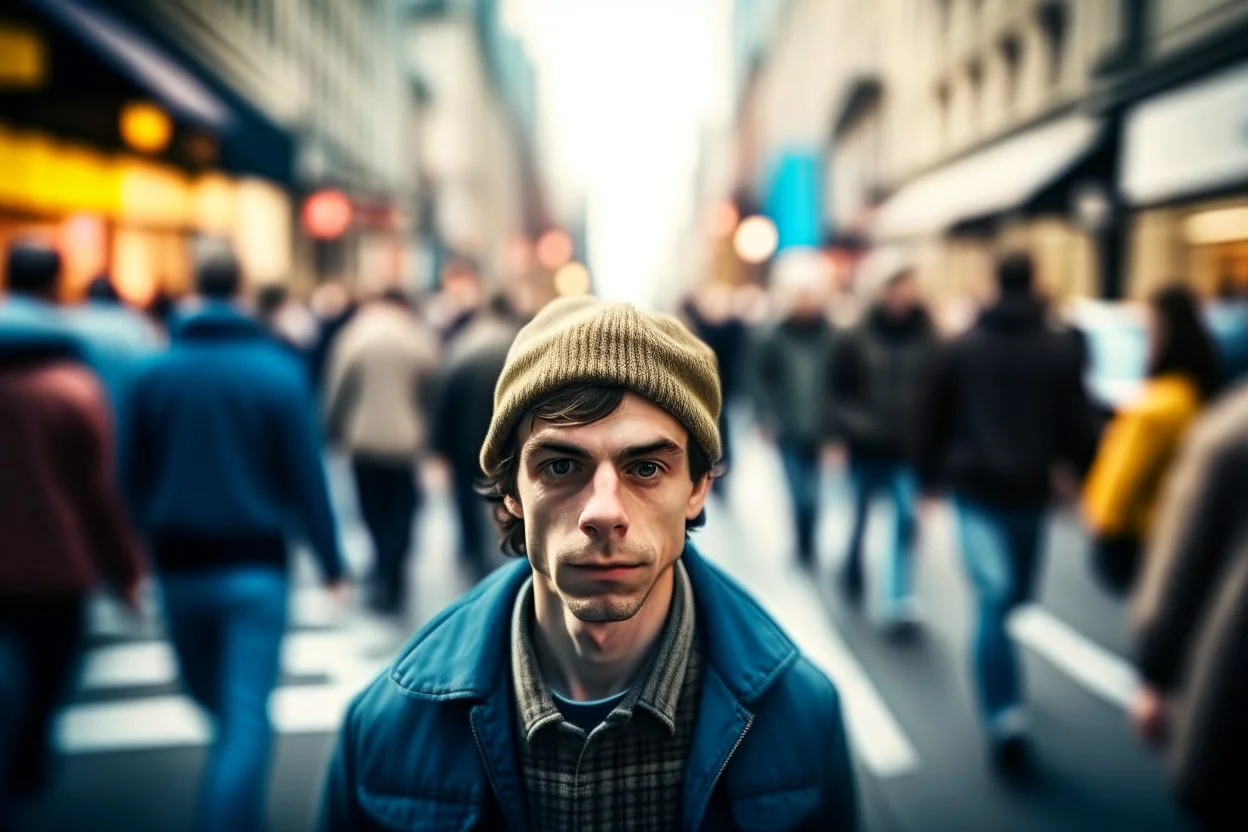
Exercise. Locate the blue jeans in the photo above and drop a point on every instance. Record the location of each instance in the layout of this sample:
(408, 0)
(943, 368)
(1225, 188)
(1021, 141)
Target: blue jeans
(869, 478)
(801, 471)
(1001, 549)
(227, 627)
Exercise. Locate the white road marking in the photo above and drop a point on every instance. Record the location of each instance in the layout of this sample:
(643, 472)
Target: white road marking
(1087, 663)
(788, 595)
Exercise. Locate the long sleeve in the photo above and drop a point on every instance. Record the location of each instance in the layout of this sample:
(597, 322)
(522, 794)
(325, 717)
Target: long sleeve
(934, 419)
(113, 541)
(851, 420)
(1196, 529)
(1127, 473)
(300, 444)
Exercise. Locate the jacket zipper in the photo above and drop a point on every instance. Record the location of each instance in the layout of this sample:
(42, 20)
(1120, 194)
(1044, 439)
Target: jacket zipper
(733, 750)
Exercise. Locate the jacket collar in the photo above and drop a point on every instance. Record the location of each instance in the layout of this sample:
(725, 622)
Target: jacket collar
(217, 320)
(34, 344)
(1014, 312)
(464, 653)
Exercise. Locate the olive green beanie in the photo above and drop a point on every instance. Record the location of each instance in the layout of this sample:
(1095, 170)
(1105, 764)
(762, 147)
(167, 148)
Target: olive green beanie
(582, 340)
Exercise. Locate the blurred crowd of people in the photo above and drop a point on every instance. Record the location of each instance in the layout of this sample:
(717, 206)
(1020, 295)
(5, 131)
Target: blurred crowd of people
(181, 443)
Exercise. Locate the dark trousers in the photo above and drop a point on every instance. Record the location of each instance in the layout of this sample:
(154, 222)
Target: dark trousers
(801, 470)
(474, 534)
(388, 498)
(40, 644)
(869, 478)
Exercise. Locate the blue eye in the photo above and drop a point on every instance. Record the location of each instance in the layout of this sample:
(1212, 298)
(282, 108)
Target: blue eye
(560, 467)
(648, 470)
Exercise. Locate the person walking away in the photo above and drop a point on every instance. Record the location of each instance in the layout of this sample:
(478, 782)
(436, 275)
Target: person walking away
(119, 342)
(225, 452)
(1189, 615)
(878, 372)
(612, 678)
(793, 370)
(1136, 453)
(709, 313)
(1006, 402)
(63, 526)
(465, 404)
(377, 398)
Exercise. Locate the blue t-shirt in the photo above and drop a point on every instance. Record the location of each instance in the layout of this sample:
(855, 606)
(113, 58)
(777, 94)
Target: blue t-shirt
(587, 715)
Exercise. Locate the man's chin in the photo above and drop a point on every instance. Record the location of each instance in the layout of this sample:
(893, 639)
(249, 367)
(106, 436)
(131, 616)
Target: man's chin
(602, 610)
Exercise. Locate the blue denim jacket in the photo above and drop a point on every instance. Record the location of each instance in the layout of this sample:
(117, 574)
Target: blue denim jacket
(431, 743)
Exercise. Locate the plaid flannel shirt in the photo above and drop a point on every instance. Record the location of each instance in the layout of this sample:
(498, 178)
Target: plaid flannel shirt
(628, 773)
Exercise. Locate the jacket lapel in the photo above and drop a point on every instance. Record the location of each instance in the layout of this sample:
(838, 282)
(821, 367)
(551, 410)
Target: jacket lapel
(722, 724)
(495, 737)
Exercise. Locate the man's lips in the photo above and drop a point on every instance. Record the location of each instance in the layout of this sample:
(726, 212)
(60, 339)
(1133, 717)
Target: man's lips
(606, 567)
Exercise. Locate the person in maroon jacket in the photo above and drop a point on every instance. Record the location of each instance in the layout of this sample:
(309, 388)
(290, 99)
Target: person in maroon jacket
(63, 528)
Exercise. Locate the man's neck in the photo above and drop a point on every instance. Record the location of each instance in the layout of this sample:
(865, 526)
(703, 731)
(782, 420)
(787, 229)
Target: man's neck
(585, 661)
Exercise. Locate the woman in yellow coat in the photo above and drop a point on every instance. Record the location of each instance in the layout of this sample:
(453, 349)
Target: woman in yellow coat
(1120, 495)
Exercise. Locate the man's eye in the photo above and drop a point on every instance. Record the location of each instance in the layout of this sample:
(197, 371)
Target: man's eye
(560, 467)
(647, 470)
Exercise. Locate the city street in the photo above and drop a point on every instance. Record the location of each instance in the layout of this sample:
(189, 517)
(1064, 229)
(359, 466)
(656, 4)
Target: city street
(134, 745)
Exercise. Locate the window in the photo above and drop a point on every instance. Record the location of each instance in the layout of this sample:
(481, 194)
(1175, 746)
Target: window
(942, 111)
(975, 87)
(1054, 25)
(1012, 60)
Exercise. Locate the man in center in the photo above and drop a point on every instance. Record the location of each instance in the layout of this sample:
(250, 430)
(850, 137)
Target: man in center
(615, 678)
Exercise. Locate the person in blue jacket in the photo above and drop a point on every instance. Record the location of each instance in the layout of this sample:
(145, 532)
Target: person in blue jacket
(224, 456)
(613, 678)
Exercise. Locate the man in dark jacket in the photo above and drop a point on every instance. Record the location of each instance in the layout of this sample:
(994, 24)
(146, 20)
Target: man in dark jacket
(1006, 403)
(224, 451)
(878, 371)
(461, 419)
(614, 679)
(63, 531)
(792, 386)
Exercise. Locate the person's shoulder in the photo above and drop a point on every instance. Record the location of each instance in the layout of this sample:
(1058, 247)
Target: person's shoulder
(805, 682)
(74, 384)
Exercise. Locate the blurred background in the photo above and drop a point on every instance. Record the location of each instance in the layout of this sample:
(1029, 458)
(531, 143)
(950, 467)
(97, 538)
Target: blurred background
(729, 160)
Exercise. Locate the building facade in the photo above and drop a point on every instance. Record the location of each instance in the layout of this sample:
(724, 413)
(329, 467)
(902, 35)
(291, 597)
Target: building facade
(1104, 136)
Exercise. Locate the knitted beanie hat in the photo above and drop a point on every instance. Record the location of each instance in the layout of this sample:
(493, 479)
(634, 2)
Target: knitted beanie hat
(581, 340)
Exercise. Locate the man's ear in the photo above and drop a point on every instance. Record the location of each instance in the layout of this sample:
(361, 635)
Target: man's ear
(513, 507)
(697, 500)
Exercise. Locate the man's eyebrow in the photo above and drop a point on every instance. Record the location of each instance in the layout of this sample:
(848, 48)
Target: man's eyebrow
(661, 446)
(554, 446)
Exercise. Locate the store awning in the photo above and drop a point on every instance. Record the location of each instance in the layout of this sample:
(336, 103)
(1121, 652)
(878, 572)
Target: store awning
(1190, 141)
(137, 57)
(1000, 178)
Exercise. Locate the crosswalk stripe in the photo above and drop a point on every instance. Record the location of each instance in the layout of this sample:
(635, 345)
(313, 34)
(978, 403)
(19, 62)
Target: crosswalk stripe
(1087, 663)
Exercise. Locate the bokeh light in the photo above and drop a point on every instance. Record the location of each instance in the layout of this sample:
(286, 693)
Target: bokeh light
(572, 279)
(756, 239)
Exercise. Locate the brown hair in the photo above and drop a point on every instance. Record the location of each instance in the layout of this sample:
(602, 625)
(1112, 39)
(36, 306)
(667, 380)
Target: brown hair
(581, 404)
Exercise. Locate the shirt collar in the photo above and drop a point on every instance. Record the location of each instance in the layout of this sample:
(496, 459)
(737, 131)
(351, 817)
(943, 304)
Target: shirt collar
(658, 692)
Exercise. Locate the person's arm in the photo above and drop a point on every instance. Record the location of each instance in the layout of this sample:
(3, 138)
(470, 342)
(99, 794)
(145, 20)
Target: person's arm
(934, 419)
(340, 810)
(1125, 471)
(851, 419)
(1196, 528)
(299, 442)
(113, 541)
(762, 376)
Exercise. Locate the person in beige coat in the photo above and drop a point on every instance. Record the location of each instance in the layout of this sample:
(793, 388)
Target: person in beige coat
(1190, 620)
(380, 375)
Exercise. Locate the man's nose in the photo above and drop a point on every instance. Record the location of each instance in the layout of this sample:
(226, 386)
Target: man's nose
(603, 516)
